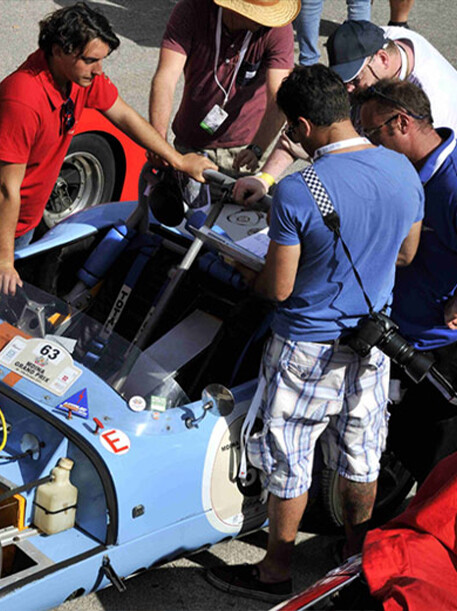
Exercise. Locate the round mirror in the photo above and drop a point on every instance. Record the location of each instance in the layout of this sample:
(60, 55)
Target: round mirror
(221, 398)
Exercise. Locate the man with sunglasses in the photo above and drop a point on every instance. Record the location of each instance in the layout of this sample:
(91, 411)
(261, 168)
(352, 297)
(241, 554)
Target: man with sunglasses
(40, 104)
(398, 116)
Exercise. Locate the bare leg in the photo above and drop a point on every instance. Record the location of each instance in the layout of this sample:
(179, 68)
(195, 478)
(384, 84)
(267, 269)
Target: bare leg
(399, 10)
(358, 501)
(284, 517)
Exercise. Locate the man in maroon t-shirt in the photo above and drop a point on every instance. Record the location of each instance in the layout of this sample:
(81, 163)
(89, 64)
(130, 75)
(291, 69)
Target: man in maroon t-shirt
(40, 104)
(234, 54)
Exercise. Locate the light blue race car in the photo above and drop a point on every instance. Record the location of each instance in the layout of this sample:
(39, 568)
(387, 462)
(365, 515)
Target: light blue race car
(120, 438)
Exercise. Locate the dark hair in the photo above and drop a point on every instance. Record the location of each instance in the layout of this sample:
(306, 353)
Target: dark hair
(315, 93)
(73, 27)
(392, 94)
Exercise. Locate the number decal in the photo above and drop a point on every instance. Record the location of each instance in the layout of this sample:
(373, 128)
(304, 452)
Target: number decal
(49, 351)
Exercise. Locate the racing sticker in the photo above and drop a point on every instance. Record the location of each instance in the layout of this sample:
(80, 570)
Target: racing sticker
(76, 405)
(115, 441)
(44, 362)
(230, 507)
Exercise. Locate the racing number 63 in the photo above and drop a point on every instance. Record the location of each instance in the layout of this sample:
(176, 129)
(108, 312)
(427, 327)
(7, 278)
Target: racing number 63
(49, 351)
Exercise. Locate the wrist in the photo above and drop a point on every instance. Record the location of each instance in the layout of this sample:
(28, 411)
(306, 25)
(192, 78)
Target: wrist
(255, 148)
(267, 178)
(177, 162)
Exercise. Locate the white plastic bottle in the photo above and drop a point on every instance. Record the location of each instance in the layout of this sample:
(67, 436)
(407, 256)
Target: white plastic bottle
(55, 501)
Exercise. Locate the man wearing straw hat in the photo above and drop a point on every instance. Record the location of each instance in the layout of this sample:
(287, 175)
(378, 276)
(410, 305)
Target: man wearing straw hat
(234, 55)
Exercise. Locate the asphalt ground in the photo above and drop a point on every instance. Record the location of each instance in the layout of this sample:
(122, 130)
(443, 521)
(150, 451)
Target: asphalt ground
(180, 585)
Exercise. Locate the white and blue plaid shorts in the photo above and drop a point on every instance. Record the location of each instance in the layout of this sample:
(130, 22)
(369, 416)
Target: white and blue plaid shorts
(321, 391)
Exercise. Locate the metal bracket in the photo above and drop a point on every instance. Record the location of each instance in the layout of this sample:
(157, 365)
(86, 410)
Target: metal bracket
(111, 575)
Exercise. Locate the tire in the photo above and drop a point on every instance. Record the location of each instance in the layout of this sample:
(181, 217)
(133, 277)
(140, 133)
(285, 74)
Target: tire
(325, 514)
(87, 178)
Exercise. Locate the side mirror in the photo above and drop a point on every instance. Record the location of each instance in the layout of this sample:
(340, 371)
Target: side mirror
(220, 397)
(215, 397)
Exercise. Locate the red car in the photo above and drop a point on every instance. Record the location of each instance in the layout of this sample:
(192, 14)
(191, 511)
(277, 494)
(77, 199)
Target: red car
(102, 165)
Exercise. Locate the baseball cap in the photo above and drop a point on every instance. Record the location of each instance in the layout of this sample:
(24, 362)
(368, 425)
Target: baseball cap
(350, 44)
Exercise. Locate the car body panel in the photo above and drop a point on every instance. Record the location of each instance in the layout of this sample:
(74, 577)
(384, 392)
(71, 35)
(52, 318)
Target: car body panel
(133, 156)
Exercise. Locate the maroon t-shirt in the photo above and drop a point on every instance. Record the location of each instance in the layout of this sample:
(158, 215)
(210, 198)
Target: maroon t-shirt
(32, 129)
(191, 30)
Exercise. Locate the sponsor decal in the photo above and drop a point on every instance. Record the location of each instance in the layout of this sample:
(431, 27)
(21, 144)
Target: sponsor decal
(76, 405)
(115, 441)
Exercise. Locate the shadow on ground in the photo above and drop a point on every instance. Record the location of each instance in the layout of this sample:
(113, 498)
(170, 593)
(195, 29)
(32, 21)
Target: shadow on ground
(173, 587)
(142, 21)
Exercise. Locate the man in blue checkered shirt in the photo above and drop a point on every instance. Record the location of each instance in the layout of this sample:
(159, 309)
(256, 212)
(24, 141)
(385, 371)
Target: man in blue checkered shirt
(313, 385)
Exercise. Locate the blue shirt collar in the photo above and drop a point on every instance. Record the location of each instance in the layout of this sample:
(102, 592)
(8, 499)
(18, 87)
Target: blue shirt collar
(439, 155)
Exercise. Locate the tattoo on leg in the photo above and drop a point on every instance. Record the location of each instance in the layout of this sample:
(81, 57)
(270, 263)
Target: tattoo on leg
(357, 500)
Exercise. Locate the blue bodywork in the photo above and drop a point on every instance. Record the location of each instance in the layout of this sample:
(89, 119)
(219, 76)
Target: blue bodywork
(174, 489)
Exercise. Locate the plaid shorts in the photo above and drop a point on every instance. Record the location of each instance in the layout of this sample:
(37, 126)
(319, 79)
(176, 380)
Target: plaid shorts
(321, 391)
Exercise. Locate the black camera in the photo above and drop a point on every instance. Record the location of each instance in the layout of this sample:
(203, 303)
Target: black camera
(379, 330)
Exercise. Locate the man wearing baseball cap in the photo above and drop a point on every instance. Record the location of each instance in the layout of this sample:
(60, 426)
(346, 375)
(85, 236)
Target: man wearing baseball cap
(234, 55)
(362, 53)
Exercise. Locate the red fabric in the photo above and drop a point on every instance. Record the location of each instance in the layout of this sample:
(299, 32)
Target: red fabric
(31, 129)
(191, 31)
(411, 562)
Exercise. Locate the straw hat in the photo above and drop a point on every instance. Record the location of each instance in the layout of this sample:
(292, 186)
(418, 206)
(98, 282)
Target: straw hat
(271, 13)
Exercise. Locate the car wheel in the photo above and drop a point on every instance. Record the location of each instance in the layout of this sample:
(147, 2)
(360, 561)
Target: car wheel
(325, 513)
(87, 178)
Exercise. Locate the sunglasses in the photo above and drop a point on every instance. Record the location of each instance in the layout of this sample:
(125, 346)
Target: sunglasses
(373, 132)
(68, 114)
(375, 92)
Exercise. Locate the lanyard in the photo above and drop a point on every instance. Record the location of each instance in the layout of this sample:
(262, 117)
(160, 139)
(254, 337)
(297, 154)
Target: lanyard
(404, 63)
(244, 48)
(341, 144)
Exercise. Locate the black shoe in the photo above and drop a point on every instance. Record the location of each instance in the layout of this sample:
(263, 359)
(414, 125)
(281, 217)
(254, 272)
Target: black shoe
(243, 580)
(400, 24)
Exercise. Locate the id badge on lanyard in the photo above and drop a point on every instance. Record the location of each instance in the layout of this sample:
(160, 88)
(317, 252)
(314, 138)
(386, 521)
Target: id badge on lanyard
(214, 119)
(217, 115)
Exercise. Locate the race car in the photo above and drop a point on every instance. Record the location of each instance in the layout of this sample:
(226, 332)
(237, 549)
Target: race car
(127, 364)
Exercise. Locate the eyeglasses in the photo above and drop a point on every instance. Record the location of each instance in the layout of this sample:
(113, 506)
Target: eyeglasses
(355, 82)
(68, 114)
(373, 132)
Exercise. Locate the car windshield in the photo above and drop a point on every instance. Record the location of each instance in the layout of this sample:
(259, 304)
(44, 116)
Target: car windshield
(131, 372)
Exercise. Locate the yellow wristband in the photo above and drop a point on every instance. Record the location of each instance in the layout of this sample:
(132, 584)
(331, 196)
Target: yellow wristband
(268, 178)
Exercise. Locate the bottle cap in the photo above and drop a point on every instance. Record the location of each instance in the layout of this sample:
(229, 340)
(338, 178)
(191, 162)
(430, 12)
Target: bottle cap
(66, 463)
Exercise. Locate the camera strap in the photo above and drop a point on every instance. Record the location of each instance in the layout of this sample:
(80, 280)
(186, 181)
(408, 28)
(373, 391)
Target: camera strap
(331, 219)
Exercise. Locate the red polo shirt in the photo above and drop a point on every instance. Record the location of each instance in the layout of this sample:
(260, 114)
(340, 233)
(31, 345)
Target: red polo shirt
(32, 130)
(191, 31)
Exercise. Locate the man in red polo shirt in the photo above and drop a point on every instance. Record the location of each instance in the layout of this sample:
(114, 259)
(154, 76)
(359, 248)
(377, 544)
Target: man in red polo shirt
(40, 105)
(234, 55)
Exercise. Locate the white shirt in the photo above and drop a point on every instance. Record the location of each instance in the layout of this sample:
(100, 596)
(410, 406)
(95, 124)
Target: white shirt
(432, 72)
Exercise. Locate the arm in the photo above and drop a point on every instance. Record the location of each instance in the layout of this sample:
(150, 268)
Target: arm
(409, 245)
(11, 177)
(131, 123)
(163, 86)
(271, 123)
(276, 280)
(250, 189)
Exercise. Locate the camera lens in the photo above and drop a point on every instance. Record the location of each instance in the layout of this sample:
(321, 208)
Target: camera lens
(414, 362)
